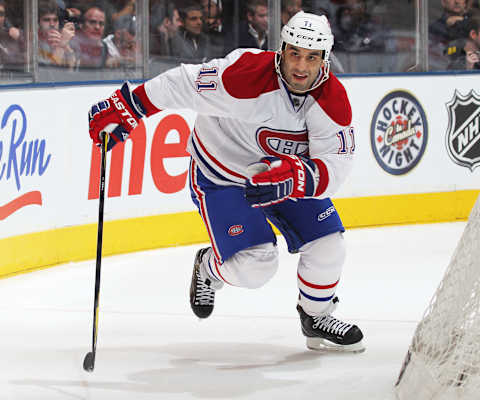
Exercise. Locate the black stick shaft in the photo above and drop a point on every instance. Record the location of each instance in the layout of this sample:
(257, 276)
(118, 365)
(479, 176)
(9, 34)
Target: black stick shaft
(90, 364)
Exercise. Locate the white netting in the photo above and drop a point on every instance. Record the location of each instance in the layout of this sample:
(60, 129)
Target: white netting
(443, 361)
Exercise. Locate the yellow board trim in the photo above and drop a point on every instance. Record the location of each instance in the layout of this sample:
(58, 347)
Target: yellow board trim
(33, 251)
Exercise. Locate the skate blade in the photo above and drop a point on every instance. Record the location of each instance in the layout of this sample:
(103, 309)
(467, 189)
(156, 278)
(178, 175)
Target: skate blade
(319, 344)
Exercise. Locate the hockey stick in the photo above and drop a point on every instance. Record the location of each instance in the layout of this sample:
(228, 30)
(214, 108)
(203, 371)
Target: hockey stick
(89, 361)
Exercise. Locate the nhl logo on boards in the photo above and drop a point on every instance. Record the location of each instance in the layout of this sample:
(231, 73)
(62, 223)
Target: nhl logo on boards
(276, 142)
(463, 132)
(398, 132)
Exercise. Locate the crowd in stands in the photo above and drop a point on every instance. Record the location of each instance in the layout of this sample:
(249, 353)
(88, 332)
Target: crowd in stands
(12, 42)
(455, 36)
(101, 34)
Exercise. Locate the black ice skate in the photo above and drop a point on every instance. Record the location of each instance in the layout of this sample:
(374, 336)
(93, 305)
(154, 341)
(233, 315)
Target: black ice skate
(328, 333)
(202, 296)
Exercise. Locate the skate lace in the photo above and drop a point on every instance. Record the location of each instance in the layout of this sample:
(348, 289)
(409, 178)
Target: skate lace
(331, 325)
(204, 294)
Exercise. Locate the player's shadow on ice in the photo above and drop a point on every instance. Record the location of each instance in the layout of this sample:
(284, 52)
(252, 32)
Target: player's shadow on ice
(205, 370)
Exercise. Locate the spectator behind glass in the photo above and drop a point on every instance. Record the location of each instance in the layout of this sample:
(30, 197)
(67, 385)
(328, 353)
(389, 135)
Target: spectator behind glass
(289, 9)
(356, 32)
(213, 27)
(165, 21)
(87, 43)
(11, 42)
(54, 43)
(212, 14)
(472, 47)
(253, 31)
(328, 8)
(122, 50)
(190, 42)
(449, 33)
(122, 8)
(72, 12)
(78, 8)
(468, 57)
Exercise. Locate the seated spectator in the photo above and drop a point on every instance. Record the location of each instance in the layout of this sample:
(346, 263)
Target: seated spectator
(72, 12)
(213, 27)
(472, 47)
(468, 57)
(289, 9)
(363, 43)
(122, 51)
(67, 14)
(12, 54)
(87, 43)
(165, 21)
(356, 32)
(158, 10)
(212, 14)
(449, 33)
(253, 31)
(190, 43)
(327, 8)
(54, 43)
(122, 8)
(77, 8)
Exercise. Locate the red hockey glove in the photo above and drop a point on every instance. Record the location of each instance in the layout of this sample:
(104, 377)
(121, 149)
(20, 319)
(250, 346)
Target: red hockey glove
(117, 115)
(277, 179)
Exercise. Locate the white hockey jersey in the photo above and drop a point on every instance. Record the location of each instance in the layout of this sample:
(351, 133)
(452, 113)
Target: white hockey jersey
(245, 113)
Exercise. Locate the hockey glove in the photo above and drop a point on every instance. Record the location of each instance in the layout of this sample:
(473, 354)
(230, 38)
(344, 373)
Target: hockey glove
(276, 179)
(117, 115)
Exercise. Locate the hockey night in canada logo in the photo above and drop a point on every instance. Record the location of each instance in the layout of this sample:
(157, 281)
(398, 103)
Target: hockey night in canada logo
(463, 132)
(398, 132)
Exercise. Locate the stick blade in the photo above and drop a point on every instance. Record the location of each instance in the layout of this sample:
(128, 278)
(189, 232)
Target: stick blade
(89, 362)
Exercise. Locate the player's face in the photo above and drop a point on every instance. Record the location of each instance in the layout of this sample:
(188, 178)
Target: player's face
(300, 67)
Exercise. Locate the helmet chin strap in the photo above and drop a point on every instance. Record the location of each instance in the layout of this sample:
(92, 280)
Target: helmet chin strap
(322, 75)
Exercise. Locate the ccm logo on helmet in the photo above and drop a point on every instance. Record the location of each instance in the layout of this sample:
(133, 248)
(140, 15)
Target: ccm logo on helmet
(304, 37)
(121, 107)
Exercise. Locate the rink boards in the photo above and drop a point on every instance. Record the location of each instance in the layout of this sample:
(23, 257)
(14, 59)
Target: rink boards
(417, 146)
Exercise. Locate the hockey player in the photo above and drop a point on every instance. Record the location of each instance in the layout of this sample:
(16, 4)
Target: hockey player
(272, 139)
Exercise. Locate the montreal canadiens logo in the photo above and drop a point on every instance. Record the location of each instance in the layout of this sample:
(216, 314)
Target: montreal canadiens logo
(398, 132)
(277, 142)
(463, 132)
(235, 230)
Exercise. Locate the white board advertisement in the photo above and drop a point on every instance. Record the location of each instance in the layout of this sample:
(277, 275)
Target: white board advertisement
(413, 134)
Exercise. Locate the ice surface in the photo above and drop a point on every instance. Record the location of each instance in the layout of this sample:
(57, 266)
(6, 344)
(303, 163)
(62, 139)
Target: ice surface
(150, 346)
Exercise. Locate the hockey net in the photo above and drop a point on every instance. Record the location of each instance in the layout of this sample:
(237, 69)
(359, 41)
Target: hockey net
(443, 361)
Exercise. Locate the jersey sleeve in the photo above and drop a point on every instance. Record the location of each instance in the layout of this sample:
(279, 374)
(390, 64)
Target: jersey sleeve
(203, 88)
(331, 140)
